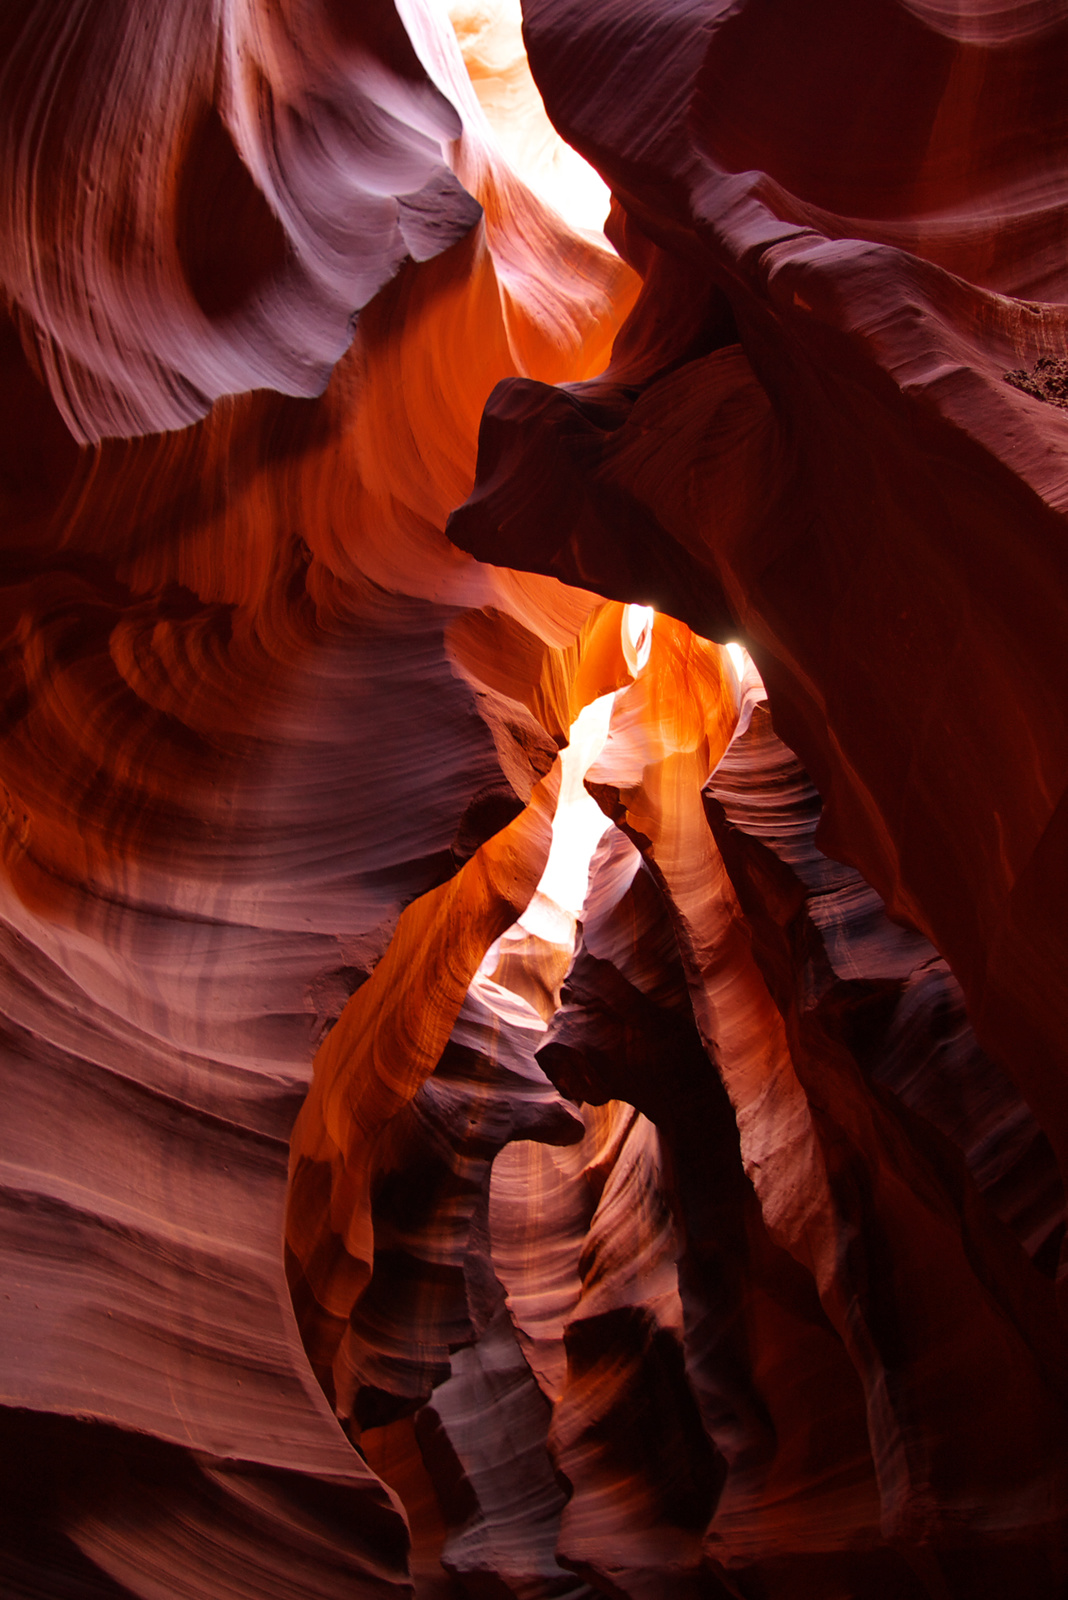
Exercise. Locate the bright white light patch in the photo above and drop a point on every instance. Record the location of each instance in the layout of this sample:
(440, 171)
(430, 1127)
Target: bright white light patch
(739, 656)
(638, 635)
(578, 824)
(491, 40)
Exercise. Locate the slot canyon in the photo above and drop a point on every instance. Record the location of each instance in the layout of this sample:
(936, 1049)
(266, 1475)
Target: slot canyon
(534, 799)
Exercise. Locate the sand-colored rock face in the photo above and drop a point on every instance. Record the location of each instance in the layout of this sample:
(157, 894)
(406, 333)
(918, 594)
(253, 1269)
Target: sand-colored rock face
(394, 1200)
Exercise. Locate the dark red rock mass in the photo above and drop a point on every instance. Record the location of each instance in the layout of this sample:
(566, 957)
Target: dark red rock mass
(508, 1092)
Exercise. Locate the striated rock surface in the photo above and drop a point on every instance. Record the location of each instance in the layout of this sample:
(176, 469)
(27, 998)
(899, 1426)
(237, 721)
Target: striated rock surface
(236, 742)
(393, 1202)
(250, 177)
(800, 1500)
(813, 435)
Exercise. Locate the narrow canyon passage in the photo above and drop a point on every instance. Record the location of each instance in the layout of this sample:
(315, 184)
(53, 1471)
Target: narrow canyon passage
(566, 1243)
(532, 800)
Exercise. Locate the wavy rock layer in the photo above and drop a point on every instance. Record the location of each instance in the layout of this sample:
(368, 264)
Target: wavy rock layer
(250, 179)
(745, 1310)
(368, 1228)
(806, 436)
(862, 1470)
(236, 741)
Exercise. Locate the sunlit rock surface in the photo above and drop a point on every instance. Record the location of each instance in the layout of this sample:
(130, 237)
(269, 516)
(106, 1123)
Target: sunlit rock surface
(503, 1096)
(850, 222)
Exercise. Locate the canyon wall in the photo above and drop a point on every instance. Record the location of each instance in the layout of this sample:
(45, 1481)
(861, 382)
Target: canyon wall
(396, 1200)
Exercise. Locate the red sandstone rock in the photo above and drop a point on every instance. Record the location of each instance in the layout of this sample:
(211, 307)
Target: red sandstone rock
(737, 1277)
(825, 456)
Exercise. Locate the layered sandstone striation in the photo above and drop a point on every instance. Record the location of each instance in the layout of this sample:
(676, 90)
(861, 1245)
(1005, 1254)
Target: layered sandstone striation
(502, 1094)
(807, 435)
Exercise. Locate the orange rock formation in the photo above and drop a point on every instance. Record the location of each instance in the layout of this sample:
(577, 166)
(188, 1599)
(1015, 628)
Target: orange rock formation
(396, 1200)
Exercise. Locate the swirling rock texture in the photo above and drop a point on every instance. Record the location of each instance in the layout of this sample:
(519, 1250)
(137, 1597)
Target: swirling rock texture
(377, 1219)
